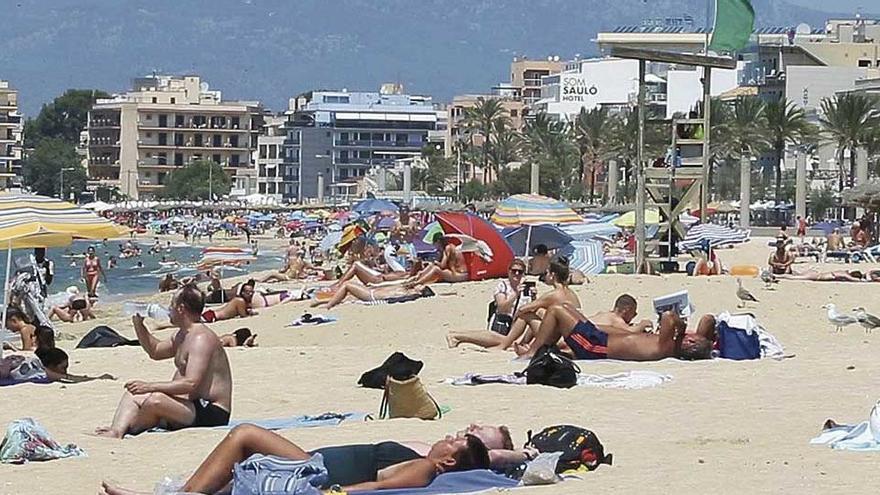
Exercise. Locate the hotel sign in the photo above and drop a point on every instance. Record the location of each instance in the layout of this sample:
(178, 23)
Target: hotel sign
(577, 89)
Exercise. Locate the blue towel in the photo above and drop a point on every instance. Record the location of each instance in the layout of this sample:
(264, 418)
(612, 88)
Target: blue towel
(326, 419)
(458, 482)
(5, 382)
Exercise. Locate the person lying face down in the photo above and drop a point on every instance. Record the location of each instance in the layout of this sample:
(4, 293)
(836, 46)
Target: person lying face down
(587, 339)
(239, 338)
(383, 465)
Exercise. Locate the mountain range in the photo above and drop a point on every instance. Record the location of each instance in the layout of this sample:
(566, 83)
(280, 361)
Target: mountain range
(270, 50)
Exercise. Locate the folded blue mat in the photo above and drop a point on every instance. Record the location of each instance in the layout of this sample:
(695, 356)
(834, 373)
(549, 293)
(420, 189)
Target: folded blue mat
(5, 382)
(457, 482)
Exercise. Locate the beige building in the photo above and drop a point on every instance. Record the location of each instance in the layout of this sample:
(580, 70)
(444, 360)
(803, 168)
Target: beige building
(11, 130)
(456, 130)
(137, 139)
(271, 169)
(525, 76)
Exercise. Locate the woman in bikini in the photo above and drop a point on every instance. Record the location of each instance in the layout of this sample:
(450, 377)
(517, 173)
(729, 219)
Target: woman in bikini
(91, 270)
(377, 466)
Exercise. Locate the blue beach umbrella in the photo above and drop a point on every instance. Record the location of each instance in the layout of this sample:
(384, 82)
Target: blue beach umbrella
(548, 235)
(373, 205)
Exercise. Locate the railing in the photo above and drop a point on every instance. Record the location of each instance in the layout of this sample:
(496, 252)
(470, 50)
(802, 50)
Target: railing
(103, 123)
(371, 143)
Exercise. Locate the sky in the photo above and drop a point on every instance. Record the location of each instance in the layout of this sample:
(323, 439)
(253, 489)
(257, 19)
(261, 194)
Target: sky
(839, 5)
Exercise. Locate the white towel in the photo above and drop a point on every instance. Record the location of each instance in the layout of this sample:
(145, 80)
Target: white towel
(864, 436)
(628, 380)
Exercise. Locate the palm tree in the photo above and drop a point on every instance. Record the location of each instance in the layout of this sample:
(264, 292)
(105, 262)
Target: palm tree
(624, 142)
(483, 120)
(786, 125)
(546, 143)
(506, 146)
(848, 120)
(592, 132)
(744, 133)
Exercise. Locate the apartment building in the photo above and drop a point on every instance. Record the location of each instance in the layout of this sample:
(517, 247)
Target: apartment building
(277, 173)
(11, 130)
(137, 139)
(526, 74)
(343, 136)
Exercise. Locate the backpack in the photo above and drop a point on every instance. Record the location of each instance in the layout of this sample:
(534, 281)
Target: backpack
(579, 447)
(397, 366)
(549, 367)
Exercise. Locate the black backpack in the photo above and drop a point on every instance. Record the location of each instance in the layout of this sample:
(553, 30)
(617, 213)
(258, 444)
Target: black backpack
(579, 447)
(550, 367)
(397, 366)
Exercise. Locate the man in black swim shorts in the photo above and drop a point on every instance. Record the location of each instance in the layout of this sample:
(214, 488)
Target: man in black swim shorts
(200, 394)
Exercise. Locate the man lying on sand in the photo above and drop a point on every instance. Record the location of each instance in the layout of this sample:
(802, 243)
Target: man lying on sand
(594, 339)
(199, 394)
(366, 294)
(239, 338)
(451, 267)
(834, 276)
(377, 466)
(556, 276)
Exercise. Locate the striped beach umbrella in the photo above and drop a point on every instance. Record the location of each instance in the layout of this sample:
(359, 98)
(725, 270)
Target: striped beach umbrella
(532, 209)
(586, 256)
(715, 235)
(221, 255)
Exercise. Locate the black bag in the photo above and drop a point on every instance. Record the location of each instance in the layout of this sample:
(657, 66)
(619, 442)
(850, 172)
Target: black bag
(103, 336)
(549, 367)
(397, 366)
(579, 447)
(501, 324)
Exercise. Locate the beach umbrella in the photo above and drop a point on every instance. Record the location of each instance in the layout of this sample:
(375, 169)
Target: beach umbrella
(586, 256)
(29, 221)
(476, 227)
(221, 255)
(329, 242)
(532, 209)
(587, 231)
(524, 239)
(98, 206)
(715, 235)
(628, 219)
(429, 232)
(373, 205)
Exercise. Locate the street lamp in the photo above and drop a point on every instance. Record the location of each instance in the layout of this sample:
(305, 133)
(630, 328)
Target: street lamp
(61, 185)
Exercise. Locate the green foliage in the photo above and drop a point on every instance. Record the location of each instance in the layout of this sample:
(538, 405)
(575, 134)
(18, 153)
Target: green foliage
(191, 181)
(821, 200)
(439, 171)
(43, 165)
(786, 125)
(849, 120)
(486, 119)
(64, 118)
(473, 190)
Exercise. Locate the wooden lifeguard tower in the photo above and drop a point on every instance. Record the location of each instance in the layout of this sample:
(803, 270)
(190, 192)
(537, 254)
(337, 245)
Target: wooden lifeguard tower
(672, 187)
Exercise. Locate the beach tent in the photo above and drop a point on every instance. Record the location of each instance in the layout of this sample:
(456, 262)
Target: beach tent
(29, 221)
(476, 227)
(548, 235)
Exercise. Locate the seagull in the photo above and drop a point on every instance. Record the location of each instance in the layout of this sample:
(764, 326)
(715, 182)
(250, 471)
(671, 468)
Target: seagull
(867, 320)
(744, 295)
(768, 278)
(839, 320)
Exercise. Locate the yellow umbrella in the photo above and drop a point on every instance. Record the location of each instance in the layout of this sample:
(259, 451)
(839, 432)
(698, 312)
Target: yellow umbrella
(28, 221)
(628, 219)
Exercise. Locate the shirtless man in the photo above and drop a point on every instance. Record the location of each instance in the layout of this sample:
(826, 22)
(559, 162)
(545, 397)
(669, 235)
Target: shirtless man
(451, 268)
(781, 260)
(591, 340)
(240, 305)
(199, 394)
(540, 261)
(17, 323)
(556, 276)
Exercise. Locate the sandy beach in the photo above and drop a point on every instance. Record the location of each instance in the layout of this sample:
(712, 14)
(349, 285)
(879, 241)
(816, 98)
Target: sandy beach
(720, 426)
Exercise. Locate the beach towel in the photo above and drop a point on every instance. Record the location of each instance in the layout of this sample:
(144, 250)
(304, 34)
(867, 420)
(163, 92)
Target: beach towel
(309, 319)
(457, 482)
(17, 368)
(628, 380)
(863, 437)
(26, 441)
(305, 421)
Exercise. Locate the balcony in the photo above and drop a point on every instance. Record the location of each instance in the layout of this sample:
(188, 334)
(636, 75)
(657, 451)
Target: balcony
(193, 147)
(365, 143)
(103, 142)
(104, 123)
(103, 161)
(220, 130)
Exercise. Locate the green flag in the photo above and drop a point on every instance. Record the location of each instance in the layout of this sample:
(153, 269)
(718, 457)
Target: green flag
(734, 23)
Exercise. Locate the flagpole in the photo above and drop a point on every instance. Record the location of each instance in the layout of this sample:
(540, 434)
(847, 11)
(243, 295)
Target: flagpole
(708, 18)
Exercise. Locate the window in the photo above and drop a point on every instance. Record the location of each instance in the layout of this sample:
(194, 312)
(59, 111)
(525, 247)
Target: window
(216, 158)
(233, 141)
(864, 63)
(263, 151)
(271, 189)
(178, 120)
(235, 160)
(173, 100)
(161, 177)
(273, 151)
(147, 174)
(514, 113)
(162, 159)
(216, 140)
(178, 139)
(261, 187)
(198, 140)
(154, 101)
(235, 122)
(163, 120)
(149, 115)
(178, 159)
(149, 135)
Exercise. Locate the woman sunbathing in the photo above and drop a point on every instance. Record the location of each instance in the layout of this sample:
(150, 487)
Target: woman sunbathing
(834, 276)
(377, 466)
(366, 294)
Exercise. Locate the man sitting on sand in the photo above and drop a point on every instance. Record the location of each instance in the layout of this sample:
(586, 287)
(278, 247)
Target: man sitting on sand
(366, 294)
(199, 394)
(781, 260)
(240, 305)
(77, 305)
(540, 261)
(452, 267)
(385, 465)
(556, 276)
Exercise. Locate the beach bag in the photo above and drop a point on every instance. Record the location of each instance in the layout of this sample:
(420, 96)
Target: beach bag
(579, 447)
(396, 365)
(27, 441)
(103, 336)
(501, 324)
(407, 399)
(549, 367)
(270, 475)
(737, 343)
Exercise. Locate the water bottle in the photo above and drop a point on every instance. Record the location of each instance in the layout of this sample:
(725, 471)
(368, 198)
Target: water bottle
(146, 310)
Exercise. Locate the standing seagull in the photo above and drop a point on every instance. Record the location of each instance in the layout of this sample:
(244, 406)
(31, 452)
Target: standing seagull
(838, 320)
(867, 320)
(769, 279)
(744, 295)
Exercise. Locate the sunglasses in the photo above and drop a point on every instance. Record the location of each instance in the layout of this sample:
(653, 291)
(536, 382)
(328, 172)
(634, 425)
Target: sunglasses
(517, 271)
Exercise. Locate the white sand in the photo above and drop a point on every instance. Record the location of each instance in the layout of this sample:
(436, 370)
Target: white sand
(720, 426)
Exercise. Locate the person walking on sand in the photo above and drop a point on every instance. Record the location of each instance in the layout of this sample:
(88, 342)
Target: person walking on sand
(199, 394)
(91, 271)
